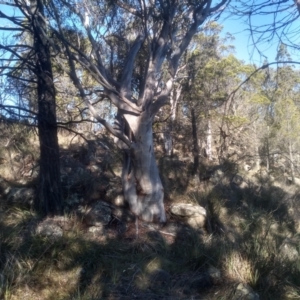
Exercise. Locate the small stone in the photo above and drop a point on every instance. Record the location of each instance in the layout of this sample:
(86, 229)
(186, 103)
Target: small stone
(289, 252)
(245, 292)
(187, 210)
(96, 229)
(197, 222)
(48, 228)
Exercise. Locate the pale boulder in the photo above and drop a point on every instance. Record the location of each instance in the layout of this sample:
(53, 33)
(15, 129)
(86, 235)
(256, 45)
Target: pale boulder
(192, 214)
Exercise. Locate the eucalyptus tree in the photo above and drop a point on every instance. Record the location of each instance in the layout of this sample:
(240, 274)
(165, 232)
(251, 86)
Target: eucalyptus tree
(212, 72)
(26, 58)
(286, 108)
(136, 50)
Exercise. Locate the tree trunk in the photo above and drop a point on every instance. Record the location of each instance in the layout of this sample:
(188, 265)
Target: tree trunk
(209, 140)
(142, 185)
(292, 161)
(256, 145)
(49, 193)
(195, 142)
(168, 140)
(268, 149)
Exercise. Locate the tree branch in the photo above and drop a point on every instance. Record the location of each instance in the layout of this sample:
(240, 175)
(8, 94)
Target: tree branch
(125, 89)
(128, 8)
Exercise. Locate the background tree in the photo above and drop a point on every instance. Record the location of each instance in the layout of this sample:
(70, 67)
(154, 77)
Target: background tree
(29, 54)
(212, 73)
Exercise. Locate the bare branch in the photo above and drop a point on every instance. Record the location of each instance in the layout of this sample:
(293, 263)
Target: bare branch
(128, 8)
(128, 67)
(163, 98)
(8, 108)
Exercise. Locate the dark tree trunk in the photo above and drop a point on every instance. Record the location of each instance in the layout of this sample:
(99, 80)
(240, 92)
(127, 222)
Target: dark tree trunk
(49, 192)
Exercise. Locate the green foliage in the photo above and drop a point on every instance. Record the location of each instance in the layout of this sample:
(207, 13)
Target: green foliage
(260, 99)
(236, 120)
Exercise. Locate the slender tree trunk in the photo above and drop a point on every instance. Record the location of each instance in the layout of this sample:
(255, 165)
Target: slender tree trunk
(292, 161)
(268, 154)
(195, 142)
(256, 146)
(268, 150)
(208, 140)
(142, 186)
(49, 193)
(168, 142)
(168, 139)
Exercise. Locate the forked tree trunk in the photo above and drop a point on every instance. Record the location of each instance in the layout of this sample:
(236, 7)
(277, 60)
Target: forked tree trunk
(143, 189)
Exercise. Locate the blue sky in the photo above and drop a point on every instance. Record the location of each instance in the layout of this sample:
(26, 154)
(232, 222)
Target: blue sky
(244, 48)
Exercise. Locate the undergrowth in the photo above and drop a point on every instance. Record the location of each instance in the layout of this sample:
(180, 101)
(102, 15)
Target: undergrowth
(252, 236)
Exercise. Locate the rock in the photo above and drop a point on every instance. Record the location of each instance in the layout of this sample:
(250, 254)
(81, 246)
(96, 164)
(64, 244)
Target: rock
(197, 221)
(96, 229)
(244, 292)
(49, 228)
(247, 167)
(288, 251)
(193, 215)
(23, 196)
(98, 215)
(187, 210)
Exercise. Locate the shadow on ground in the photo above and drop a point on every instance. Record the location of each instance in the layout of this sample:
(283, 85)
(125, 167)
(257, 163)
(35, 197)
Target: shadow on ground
(251, 237)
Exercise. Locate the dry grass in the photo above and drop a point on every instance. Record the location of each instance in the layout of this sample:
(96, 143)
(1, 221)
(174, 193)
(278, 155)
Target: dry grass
(81, 265)
(245, 239)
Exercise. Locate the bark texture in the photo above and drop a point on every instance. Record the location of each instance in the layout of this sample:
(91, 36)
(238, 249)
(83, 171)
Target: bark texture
(142, 185)
(49, 192)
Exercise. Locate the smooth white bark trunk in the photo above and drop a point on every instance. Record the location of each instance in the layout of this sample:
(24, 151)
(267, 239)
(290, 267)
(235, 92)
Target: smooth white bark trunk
(209, 141)
(291, 161)
(143, 189)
